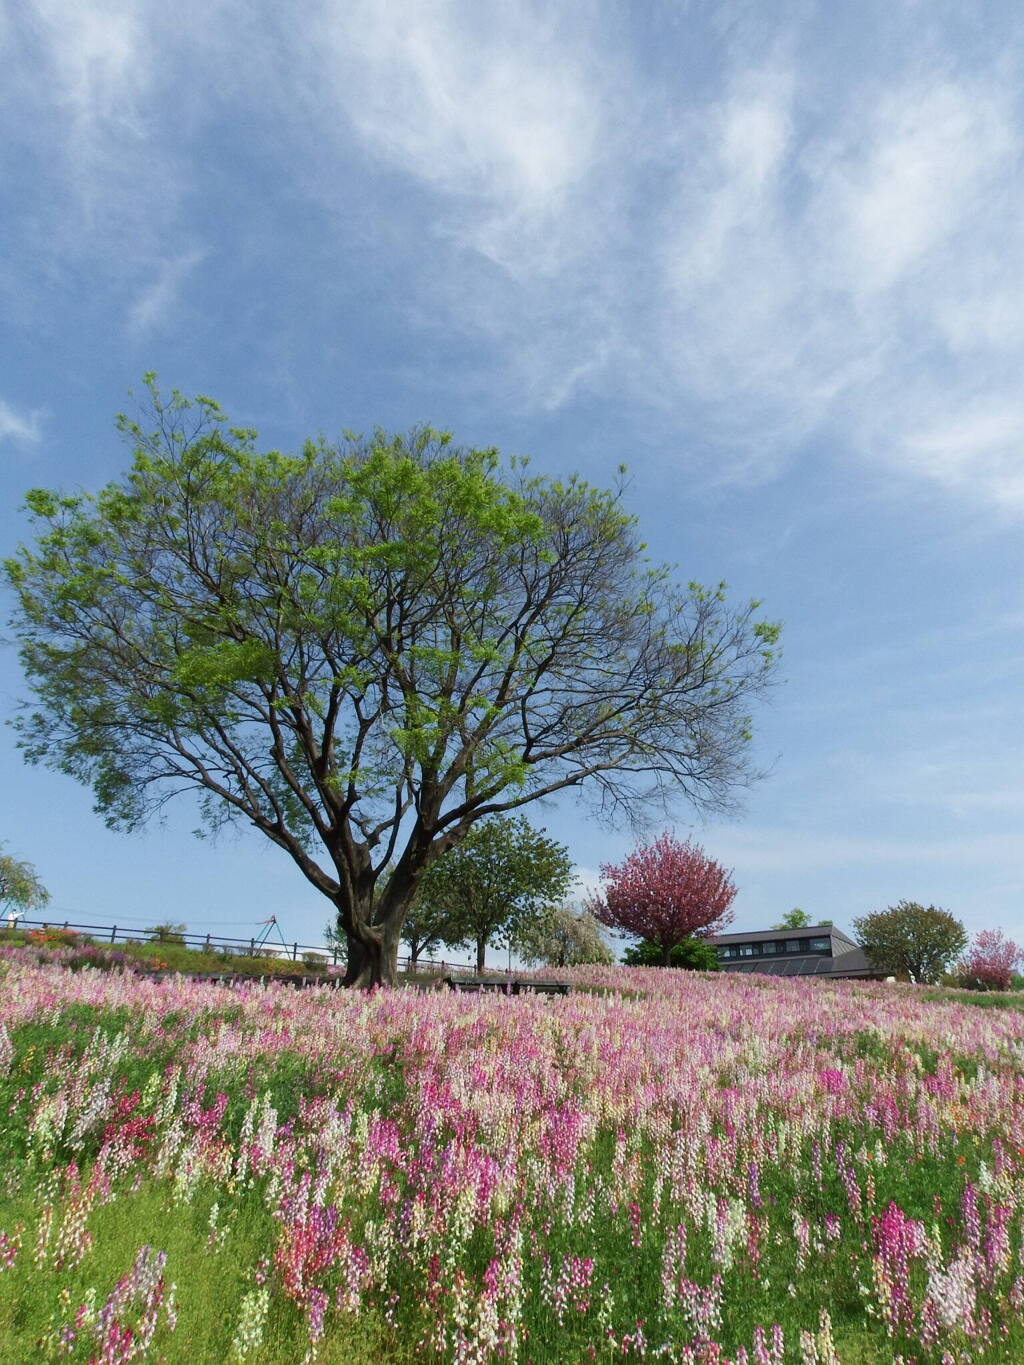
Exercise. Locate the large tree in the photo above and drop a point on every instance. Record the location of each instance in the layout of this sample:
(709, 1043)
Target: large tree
(911, 940)
(663, 893)
(364, 648)
(490, 887)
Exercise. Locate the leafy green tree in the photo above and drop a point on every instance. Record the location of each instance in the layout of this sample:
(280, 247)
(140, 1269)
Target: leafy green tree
(911, 940)
(488, 888)
(20, 887)
(794, 919)
(424, 929)
(566, 937)
(691, 954)
(362, 649)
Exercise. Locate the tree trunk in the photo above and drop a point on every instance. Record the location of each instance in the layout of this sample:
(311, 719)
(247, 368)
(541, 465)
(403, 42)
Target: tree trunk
(373, 958)
(666, 954)
(481, 949)
(373, 925)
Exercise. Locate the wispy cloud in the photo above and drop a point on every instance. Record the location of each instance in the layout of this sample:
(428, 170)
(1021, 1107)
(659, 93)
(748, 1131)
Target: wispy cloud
(25, 428)
(765, 234)
(105, 185)
(501, 111)
(156, 302)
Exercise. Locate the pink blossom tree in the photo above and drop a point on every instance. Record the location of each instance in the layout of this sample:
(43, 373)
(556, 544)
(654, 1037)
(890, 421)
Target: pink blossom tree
(991, 961)
(664, 893)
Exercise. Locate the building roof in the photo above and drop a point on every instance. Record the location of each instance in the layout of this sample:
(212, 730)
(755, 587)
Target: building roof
(841, 943)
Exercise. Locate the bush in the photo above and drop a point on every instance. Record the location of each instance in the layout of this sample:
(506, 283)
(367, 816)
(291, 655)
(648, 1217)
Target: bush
(692, 955)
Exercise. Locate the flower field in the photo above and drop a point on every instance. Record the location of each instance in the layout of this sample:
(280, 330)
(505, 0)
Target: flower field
(662, 1165)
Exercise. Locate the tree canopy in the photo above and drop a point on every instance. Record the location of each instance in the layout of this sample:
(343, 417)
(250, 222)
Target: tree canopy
(794, 919)
(663, 893)
(491, 885)
(363, 648)
(911, 940)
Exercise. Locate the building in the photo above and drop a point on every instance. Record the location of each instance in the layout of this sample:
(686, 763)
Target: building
(819, 950)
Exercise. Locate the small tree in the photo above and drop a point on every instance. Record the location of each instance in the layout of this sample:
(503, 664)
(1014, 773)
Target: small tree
(20, 887)
(795, 919)
(665, 893)
(425, 929)
(911, 940)
(691, 955)
(991, 962)
(490, 886)
(564, 938)
(168, 933)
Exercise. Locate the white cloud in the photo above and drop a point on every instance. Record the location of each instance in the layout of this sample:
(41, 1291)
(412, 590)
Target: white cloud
(25, 428)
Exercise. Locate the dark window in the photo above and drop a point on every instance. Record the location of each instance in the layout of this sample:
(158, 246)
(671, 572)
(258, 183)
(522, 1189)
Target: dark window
(820, 945)
(749, 950)
(794, 945)
(726, 952)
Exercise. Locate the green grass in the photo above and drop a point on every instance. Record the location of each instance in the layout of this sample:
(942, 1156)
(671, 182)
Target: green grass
(997, 1000)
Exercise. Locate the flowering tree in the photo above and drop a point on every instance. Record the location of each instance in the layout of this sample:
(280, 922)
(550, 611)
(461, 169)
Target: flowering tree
(990, 962)
(664, 893)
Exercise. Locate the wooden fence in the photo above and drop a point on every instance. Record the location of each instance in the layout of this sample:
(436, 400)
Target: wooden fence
(252, 947)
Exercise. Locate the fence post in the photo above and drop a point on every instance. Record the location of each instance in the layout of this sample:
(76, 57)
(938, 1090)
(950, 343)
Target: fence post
(113, 934)
(207, 942)
(252, 947)
(295, 952)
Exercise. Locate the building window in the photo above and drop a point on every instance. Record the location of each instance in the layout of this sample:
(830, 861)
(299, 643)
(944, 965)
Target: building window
(749, 950)
(820, 945)
(794, 945)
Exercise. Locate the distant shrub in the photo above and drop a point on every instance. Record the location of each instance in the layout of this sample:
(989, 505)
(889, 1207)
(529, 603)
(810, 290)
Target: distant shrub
(692, 954)
(167, 933)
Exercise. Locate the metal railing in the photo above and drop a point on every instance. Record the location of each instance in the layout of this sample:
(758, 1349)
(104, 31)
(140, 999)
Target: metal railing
(239, 947)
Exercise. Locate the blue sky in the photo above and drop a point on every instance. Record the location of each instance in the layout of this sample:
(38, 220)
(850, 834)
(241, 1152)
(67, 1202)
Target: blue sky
(769, 256)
